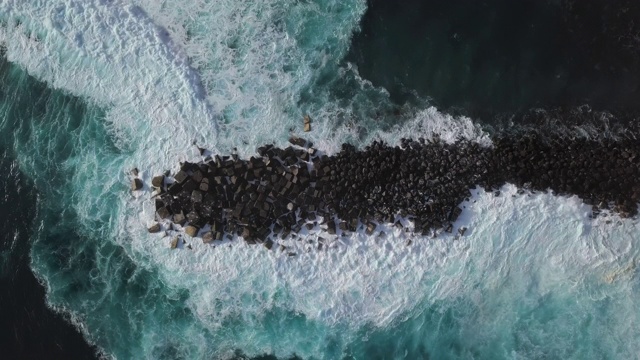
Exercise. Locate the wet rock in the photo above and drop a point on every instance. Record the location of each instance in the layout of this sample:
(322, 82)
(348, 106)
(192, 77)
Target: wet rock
(297, 141)
(136, 184)
(191, 230)
(207, 237)
(181, 176)
(155, 228)
(179, 219)
(163, 213)
(371, 228)
(157, 181)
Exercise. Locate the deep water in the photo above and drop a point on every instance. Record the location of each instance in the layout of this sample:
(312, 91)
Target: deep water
(487, 58)
(91, 89)
(30, 330)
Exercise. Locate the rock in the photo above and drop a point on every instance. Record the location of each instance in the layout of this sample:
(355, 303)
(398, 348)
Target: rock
(155, 228)
(163, 213)
(193, 217)
(175, 188)
(179, 219)
(191, 230)
(204, 186)
(157, 181)
(331, 227)
(207, 237)
(136, 184)
(181, 176)
(135, 172)
(196, 196)
(297, 141)
(307, 127)
(371, 227)
(268, 244)
(174, 242)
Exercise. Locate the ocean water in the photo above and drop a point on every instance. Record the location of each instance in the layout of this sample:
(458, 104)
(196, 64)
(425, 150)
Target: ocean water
(92, 89)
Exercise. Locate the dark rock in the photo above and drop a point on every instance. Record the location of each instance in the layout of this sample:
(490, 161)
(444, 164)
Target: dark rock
(179, 219)
(297, 141)
(181, 176)
(163, 213)
(196, 196)
(136, 184)
(175, 188)
(204, 186)
(157, 181)
(155, 228)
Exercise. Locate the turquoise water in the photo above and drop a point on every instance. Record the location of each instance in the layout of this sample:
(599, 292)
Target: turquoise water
(92, 89)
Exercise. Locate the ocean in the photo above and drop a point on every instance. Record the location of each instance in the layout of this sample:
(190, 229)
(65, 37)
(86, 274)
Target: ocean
(90, 89)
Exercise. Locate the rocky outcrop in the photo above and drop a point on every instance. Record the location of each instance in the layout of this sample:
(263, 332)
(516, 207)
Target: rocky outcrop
(282, 190)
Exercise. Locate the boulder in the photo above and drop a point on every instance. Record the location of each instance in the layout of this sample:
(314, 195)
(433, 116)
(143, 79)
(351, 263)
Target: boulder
(331, 227)
(371, 227)
(196, 196)
(297, 141)
(204, 186)
(179, 219)
(163, 213)
(157, 181)
(193, 217)
(207, 237)
(136, 184)
(155, 228)
(191, 230)
(181, 176)
(175, 188)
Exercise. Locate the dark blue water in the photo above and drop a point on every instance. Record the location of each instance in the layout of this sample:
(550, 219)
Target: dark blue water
(29, 329)
(483, 58)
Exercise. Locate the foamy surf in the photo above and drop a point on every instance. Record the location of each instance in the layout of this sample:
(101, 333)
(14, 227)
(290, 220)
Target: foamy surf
(544, 243)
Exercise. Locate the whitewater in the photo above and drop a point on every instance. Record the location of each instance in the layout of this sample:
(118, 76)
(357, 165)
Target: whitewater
(135, 84)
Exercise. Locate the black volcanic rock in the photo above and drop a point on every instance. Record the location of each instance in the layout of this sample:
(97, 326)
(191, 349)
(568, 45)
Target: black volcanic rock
(425, 180)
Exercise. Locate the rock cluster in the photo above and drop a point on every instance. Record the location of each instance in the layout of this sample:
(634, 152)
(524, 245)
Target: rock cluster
(282, 190)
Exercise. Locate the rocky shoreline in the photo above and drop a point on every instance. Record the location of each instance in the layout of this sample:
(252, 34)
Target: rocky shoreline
(281, 191)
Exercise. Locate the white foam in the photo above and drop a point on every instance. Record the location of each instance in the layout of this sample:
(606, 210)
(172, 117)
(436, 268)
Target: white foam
(515, 249)
(112, 54)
